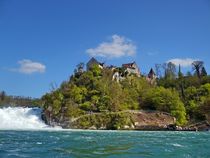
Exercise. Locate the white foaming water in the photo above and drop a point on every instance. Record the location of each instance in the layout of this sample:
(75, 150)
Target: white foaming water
(19, 118)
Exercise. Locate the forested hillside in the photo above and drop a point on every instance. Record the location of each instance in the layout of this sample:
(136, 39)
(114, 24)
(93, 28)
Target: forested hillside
(186, 97)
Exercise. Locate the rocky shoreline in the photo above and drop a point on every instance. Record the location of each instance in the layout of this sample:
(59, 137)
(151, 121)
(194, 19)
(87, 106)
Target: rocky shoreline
(124, 120)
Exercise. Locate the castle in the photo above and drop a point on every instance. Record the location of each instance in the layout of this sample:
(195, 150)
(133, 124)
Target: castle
(126, 69)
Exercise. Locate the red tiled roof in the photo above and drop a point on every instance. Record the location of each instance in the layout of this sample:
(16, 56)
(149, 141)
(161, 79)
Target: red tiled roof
(128, 65)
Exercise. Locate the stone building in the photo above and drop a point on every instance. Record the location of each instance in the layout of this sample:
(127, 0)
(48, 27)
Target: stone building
(93, 62)
(132, 68)
(151, 77)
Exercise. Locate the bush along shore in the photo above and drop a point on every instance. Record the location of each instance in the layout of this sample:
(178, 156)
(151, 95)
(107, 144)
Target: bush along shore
(109, 97)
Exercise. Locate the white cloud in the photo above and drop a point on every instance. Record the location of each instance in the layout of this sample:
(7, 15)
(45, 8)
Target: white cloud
(183, 62)
(28, 67)
(118, 46)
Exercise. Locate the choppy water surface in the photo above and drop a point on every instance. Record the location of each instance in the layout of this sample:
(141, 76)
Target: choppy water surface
(127, 144)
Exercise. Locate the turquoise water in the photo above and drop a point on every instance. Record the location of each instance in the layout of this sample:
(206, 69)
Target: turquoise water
(52, 144)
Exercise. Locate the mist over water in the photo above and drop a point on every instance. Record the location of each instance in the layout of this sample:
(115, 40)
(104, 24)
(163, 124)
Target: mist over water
(20, 118)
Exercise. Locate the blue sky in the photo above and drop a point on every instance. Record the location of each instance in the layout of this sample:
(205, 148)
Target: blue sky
(41, 41)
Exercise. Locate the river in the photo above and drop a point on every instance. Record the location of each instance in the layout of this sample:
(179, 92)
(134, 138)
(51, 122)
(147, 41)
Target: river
(30, 137)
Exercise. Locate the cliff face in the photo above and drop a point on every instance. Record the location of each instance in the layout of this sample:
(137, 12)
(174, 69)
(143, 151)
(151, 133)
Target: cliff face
(130, 120)
(152, 120)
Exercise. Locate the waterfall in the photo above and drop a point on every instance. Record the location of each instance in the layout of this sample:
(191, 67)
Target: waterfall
(21, 118)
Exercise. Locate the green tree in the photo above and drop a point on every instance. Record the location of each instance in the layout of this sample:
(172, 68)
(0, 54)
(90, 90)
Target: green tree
(203, 72)
(2, 95)
(165, 100)
(204, 109)
(72, 109)
(53, 100)
(197, 67)
(96, 70)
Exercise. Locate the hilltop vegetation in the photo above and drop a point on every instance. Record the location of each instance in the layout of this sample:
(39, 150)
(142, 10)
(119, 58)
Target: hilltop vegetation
(187, 98)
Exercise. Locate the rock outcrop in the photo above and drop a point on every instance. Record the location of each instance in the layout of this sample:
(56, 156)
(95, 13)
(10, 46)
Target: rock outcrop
(124, 120)
(200, 126)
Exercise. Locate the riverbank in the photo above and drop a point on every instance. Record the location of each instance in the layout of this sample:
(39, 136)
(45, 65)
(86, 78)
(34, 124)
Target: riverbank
(124, 120)
(25, 118)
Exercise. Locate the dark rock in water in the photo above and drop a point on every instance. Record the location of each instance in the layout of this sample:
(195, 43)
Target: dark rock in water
(174, 127)
(54, 120)
(46, 116)
(171, 127)
(200, 126)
